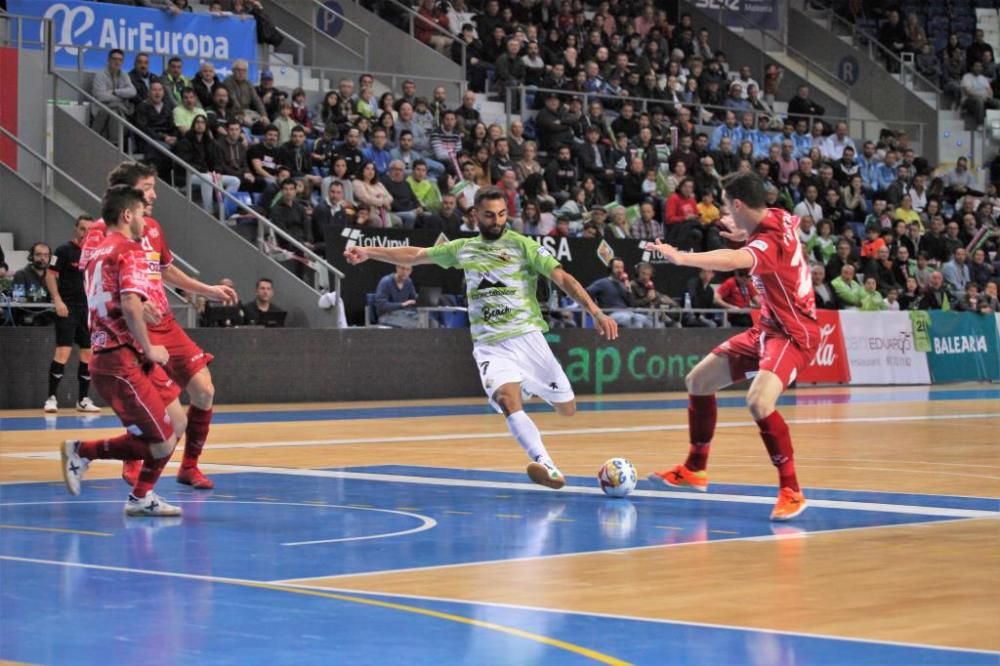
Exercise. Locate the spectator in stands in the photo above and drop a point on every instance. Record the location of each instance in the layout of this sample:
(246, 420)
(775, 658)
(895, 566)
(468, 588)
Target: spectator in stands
(614, 292)
(561, 175)
(645, 294)
(871, 299)
(141, 77)
(30, 283)
(826, 299)
(978, 95)
(174, 81)
(295, 155)
(243, 95)
(849, 292)
(552, 126)
(892, 35)
(801, 107)
(980, 270)
(989, 296)
(700, 295)
(332, 214)
(509, 69)
(290, 214)
(431, 26)
(406, 154)
(113, 88)
(369, 190)
(956, 274)
(737, 292)
(447, 220)
(977, 49)
(220, 112)
(935, 294)
(263, 160)
(396, 299)
(646, 226)
(233, 148)
(185, 112)
(154, 118)
(378, 152)
(199, 149)
(263, 303)
(205, 83)
(834, 145)
(426, 190)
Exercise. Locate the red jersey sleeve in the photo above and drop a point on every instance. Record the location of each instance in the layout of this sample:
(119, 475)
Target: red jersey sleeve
(765, 250)
(133, 274)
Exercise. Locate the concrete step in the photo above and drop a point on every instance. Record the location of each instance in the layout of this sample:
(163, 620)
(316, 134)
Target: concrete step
(6, 241)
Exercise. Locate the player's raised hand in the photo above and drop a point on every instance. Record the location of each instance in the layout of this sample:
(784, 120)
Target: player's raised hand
(356, 255)
(729, 230)
(606, 327)
(158, 354)
(669, 252)
(223, 294)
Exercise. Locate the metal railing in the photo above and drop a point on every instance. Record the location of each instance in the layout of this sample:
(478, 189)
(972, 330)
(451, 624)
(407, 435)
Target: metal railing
(645, 103)
(267, 232)
(329, 74)
(812, 68)
(45, 189)
(658, 317)
(864, 40)
(411, 18)
(314, 32)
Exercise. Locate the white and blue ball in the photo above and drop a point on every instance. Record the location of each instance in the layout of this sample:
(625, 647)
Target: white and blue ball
(617, 477)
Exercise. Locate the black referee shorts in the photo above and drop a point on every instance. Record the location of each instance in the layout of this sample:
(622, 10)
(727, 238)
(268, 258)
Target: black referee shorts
(73, 330)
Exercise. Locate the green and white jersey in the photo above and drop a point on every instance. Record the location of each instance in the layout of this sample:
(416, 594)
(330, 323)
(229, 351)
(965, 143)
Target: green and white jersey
(501, 277)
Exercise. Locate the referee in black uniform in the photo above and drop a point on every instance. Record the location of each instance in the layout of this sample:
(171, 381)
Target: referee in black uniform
(64, 280)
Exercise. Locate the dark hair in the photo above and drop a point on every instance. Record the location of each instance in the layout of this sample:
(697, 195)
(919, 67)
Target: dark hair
(117, 200)
(272, 128)
(116, 52)
(31, 252)
(188, 89)
(489, 194)
(298, 128)
(130, 173)
(173, 60)
(417, 163)
(83, 218)
(748, 188)
(611, 264)
(264, 279)
(234, 121)
(405, 133)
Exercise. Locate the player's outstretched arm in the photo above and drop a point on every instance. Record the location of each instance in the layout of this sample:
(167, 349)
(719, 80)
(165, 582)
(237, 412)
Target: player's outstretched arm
(177, 278)
(716, 260)
(403, 256)
(607, 326)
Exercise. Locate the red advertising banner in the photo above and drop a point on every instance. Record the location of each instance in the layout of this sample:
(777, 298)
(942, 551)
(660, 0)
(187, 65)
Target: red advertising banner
(8, 105)
(830, 365)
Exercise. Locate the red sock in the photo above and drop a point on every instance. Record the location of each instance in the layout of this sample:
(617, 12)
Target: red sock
(777, 439)
(196, 434)
(122, 447)
(702, 413)
(151, 470)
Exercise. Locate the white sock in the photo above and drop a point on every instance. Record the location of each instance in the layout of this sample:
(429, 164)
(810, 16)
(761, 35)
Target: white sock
(526, 433)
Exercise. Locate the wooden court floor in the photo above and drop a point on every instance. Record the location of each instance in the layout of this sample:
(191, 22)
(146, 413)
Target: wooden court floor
(934, 583)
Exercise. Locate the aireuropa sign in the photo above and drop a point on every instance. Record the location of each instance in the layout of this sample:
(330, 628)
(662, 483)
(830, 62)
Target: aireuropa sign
(96, 28)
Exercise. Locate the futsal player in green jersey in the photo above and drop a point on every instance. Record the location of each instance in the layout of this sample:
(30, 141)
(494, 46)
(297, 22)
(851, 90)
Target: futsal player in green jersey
(501, 272)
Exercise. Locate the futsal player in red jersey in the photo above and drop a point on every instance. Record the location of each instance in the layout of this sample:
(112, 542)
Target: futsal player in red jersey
(770, 354)
(126, 368)
(188, 364)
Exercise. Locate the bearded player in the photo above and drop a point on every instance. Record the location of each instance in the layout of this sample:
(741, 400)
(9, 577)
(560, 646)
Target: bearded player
(188, 364)
(771, 353)
(501, 272)
(126, 368)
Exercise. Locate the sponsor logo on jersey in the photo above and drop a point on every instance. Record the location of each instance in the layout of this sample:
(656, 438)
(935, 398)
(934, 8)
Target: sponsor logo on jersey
(758, 244)
(495, 313)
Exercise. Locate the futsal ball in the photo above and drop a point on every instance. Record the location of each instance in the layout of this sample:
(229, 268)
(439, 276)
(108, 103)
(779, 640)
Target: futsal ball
(617, 477)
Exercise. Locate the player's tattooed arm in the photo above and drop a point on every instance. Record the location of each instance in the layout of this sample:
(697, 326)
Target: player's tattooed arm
(404, 256)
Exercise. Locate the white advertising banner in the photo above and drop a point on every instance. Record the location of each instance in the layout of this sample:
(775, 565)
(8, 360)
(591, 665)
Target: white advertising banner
(880, 348)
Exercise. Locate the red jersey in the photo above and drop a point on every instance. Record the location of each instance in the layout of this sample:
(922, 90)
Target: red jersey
(740, 296)
(116, 266)
(782, 278)
(158, 256)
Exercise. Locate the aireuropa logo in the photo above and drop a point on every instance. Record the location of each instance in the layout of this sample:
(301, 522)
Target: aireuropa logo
(69, 23)
(74, 27)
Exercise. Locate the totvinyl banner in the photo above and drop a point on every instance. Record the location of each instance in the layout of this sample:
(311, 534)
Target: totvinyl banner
(964, 347)
(100, 27)
(880, 348)
(830, 365)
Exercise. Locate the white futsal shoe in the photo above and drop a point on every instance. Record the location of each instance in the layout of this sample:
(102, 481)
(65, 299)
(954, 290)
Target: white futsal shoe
(51, 405)
(150, 505)
(87, 405)
(73, 466)
(545, 473)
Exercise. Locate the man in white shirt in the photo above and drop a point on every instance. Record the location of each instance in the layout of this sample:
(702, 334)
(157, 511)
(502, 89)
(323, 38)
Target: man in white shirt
(833, 147)
(978, 94)
(809, 206)
(918, 192)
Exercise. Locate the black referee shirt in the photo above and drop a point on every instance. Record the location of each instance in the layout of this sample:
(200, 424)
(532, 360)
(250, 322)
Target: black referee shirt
(69, 277)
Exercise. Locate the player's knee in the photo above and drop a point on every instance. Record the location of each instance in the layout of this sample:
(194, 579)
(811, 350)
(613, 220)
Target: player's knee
(202, 390)
(760, 405)
(164, 449)
(566, 408)
(508, 404)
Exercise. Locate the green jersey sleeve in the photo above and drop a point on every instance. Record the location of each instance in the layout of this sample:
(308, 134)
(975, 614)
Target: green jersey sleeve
(539, 257)
(446, 254)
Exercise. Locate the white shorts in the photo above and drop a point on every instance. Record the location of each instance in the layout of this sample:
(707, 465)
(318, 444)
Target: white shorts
(526, 360)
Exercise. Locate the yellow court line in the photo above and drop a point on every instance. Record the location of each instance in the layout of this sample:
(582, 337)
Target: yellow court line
(55, 529)
(599, 657)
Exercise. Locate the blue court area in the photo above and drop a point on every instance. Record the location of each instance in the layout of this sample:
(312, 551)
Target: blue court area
(898, 394)
(209, 587)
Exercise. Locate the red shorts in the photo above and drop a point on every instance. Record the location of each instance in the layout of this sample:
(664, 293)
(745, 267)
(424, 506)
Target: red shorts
(138, 393)
(186, 358)
(754, 350)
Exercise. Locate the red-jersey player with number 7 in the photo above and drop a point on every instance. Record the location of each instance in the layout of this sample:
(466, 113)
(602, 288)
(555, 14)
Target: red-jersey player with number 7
(771, 353)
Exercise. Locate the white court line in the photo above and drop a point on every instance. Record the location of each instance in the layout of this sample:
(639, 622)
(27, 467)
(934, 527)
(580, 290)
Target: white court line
(559, 433)
(426, 522)
(347, 591)
(582, 490)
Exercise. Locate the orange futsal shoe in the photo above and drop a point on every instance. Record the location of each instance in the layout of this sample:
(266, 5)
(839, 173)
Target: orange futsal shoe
(681, 477)
(192, 476)
(130, 472)
(790, 504)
